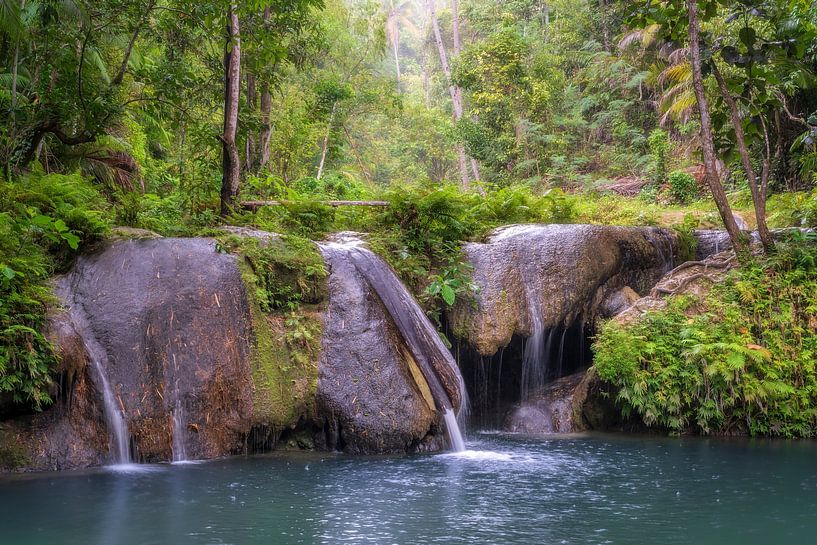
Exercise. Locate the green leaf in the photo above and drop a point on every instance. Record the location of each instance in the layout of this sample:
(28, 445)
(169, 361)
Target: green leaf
(72, 240)
(41, 221)
(748, 36)
(448, 295)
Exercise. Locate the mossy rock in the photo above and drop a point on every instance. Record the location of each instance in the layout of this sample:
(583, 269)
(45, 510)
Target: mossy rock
(13, 455)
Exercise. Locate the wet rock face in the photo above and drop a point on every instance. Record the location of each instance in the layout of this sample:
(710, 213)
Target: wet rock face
(574, 403)
(172, 318)
(372, 395)
(549, 411)
(168, 320)
(543, 276)
(72, 433)
(171, 324)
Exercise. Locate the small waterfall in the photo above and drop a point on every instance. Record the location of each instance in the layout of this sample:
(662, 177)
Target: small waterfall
(423, 341)
(537, 350)
(664, 246)
(179, 448)
(117, 426)
(453, 428)
(111, 404)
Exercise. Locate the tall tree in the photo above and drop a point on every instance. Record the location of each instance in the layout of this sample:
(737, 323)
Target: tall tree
(707, 139)
(455, 29)
(456, 93)
(231, 162)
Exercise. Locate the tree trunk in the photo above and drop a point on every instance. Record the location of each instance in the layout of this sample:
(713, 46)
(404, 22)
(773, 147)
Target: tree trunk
(475, 170)
(123, 67)
(14, 69)
(546, 20)
(266, 130)
(231, 162)
(456, 98)
(357, 155)
(758, 198)
(249, 145)
(325, 146)
(455, 23)
(396, 48)
(266, 109)
(707, 140)
(605, 25)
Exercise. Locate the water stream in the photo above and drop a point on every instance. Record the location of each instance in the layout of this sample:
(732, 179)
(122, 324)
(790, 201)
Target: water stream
(117, 427)
(454, 433)
(111, 403)
(179, 448)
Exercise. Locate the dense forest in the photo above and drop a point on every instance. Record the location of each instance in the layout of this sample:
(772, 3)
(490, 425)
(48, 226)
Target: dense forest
(435, 122)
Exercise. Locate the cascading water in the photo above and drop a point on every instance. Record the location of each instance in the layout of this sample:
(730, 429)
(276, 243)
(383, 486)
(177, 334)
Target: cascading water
(112, 405)
(117, 427)
(178, 446)
(433, 358)
(454, 433)
(537, 347)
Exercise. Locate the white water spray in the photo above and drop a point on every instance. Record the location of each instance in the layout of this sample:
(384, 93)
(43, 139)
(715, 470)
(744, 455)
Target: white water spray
(454, 434)
(117, 426)
(178, 447)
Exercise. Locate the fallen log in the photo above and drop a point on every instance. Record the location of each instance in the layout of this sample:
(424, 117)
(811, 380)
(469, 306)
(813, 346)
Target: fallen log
(255, 205)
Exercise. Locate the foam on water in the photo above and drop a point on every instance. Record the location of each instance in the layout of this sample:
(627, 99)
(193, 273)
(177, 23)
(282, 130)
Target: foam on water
(133, 468)
(481, 455)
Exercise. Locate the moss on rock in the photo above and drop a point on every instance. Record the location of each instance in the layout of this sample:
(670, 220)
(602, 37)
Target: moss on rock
(286, 287)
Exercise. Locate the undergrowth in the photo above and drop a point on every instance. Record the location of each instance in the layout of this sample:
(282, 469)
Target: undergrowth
(740, 361)
(45, 220)
(286, 282)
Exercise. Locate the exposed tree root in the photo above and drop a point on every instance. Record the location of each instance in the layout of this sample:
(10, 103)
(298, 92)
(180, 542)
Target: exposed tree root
(722, 266)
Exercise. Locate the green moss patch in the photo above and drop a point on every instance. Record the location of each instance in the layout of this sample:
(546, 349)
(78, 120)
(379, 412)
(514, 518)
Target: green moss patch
(286, 285)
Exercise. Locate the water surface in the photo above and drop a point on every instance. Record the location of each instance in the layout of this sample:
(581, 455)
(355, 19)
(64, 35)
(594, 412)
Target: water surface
(504, 490)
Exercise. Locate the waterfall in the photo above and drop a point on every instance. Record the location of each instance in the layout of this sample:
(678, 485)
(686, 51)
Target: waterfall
(537, 348)
(178, 447)
(453, 428)
(117, 427)
(112, 405)
(664, 246)
(423, 341)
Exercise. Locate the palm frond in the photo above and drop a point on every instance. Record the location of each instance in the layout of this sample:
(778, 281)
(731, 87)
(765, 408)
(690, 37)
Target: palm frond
(11, 22)
(676, 74)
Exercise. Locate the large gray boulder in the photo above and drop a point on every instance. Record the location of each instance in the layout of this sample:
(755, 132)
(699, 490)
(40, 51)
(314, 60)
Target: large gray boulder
(543, 276)
(574, 403)
(372, 394)
(180, 341)
(167, 322)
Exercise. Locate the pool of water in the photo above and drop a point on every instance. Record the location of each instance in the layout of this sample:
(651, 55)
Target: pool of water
(504, 490)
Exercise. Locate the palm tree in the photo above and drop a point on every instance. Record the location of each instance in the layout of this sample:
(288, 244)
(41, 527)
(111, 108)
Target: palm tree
(670, 74)
(398, 17)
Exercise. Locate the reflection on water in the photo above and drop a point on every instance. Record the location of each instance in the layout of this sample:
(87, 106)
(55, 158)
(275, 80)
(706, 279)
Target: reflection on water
(503, 490)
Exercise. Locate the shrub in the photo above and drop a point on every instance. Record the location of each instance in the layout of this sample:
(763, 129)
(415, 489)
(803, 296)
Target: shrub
(287, 270)
(683, 187)
(793, 209)
(44, 222)
(743, 360)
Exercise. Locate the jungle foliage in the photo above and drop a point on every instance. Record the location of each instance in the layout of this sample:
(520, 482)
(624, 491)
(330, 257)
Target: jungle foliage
(740, 361)
(116, 112)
